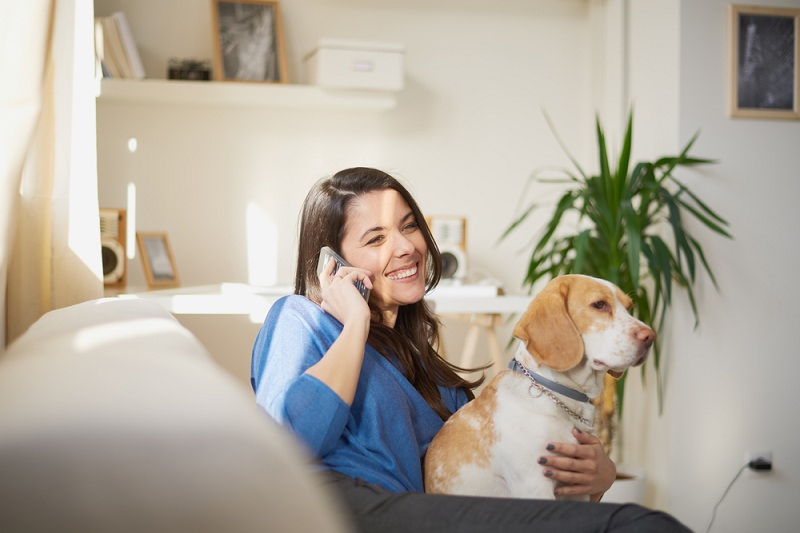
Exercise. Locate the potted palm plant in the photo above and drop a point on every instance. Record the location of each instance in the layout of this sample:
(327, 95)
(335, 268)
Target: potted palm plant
(627, 225)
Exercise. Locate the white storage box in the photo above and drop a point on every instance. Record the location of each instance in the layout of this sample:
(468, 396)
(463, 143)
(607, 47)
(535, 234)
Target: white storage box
(344, 64)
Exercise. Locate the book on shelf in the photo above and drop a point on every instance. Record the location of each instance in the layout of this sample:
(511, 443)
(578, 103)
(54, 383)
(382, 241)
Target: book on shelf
(116, 49)
(129, 44)
(109, 66)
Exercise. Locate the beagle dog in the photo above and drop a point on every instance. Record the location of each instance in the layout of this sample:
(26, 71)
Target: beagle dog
(573, 332)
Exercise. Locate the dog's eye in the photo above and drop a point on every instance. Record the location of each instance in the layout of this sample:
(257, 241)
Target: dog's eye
(600, 306)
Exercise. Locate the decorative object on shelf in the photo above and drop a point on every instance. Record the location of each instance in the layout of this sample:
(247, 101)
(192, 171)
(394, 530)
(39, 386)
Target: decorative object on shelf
(115, 48)
(248, 41)
(157, 260)
(188, 69)
(450, 234)
(347, 64)
(113, 246)
(764, 62)
(613, 225)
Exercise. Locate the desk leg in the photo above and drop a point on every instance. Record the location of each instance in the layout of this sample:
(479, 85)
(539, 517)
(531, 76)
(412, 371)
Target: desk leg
(469, 353)
(470, 346)
(494, 345)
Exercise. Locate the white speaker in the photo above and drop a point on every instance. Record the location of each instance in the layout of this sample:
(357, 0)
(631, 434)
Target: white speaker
(450, 234)
(112, 246)
(454, 262)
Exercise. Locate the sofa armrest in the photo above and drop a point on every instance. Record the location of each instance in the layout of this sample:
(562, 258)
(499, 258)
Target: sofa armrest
(113, 417)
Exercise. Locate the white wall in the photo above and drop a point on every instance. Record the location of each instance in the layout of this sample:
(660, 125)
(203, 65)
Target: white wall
(743, 359)
(731, 382)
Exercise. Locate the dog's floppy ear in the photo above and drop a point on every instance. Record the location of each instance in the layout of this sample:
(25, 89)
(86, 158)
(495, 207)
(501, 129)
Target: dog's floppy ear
(547, 330)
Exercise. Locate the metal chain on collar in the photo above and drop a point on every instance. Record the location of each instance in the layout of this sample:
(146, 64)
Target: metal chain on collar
(550, 395)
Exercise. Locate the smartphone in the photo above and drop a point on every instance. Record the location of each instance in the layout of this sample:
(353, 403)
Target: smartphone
(325, 255)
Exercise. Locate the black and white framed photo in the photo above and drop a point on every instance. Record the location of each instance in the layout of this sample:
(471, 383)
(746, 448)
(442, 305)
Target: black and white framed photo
(157, 260)
(248, 41)
(764, 50)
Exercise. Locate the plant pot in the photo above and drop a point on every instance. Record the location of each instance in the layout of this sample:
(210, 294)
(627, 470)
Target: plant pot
(629, 487)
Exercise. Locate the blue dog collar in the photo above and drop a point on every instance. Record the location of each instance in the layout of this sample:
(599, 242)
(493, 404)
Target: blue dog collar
(516, 366)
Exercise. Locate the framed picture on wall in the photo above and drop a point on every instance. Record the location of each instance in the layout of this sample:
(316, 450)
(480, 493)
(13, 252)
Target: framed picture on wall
(764, 73)
(248, 40)
(157, 260)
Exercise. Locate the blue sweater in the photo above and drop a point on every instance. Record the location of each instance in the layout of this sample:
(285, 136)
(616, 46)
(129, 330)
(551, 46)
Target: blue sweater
(381, 438)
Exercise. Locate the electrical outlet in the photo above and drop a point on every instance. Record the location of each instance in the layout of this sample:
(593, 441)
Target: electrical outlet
(762, 457)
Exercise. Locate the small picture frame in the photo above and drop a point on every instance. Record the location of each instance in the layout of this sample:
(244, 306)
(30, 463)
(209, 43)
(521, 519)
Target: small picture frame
(248, 37)
(157, 260)
(764, 52)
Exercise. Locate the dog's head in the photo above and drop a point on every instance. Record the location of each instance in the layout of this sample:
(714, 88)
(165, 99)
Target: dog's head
(577, 315)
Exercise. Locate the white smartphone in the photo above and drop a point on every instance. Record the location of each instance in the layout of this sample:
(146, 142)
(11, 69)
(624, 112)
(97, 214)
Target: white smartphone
(325, 255)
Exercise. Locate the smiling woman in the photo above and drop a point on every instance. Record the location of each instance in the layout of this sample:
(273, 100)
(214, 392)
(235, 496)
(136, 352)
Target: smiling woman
(362, 385)
(374, 223)
(383, 236)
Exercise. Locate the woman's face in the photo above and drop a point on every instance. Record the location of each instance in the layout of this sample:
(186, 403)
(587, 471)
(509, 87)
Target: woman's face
(383, 236)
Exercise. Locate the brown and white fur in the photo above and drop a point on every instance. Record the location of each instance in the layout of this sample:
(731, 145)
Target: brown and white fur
(573, 332)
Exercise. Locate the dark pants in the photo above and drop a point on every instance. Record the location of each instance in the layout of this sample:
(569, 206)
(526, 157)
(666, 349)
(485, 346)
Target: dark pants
(376, 510)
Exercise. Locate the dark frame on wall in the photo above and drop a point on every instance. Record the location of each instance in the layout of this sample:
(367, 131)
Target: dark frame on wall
(157, 260)
(248, 37)
(764, 51)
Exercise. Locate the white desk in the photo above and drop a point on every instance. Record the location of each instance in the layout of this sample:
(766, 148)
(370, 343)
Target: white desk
(481, 306)
(218, 299)
(483, 309)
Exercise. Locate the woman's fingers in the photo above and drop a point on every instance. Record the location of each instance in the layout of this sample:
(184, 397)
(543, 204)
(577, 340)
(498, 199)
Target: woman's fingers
(585, 438)
(583, 468)
(355, 274)
(326, 275)
(340, 297)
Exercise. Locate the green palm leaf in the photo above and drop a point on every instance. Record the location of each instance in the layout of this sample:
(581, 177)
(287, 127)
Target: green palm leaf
(622, 214)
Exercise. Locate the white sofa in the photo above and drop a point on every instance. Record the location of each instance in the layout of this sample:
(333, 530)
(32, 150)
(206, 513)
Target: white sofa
(113, 417)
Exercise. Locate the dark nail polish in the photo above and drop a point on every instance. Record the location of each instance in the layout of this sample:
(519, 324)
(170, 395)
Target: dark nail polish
(542, 460)
(549, 473)
(579, 431)
(550, 447)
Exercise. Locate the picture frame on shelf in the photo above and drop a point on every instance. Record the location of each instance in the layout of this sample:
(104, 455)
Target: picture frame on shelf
(248, 41)
(158, 262)
(764, 55)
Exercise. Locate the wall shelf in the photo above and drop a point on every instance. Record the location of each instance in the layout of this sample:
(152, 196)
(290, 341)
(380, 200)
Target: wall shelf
(181, 92)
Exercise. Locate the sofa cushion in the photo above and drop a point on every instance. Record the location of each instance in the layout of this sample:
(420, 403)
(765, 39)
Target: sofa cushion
(113, 417)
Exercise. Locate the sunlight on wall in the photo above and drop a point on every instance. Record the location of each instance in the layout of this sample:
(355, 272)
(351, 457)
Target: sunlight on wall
(130, 233)
(74, 66)
(262, 247)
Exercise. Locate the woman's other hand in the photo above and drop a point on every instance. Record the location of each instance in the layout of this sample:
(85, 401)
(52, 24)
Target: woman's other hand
(583, 468)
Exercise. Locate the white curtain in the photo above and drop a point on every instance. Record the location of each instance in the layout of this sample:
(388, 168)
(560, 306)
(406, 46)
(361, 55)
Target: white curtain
(49, 229)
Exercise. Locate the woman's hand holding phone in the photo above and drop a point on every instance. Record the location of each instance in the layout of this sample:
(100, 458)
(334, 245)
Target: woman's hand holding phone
(340, 368)
(343, 288)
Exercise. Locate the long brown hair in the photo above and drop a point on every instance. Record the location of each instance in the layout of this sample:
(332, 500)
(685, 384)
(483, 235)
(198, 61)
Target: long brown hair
(416, 330)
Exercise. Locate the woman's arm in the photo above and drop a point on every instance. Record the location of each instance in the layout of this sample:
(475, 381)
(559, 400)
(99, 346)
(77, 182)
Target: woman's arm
(294, 337)
(340, 367)
(584, 468)
(305, 369)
